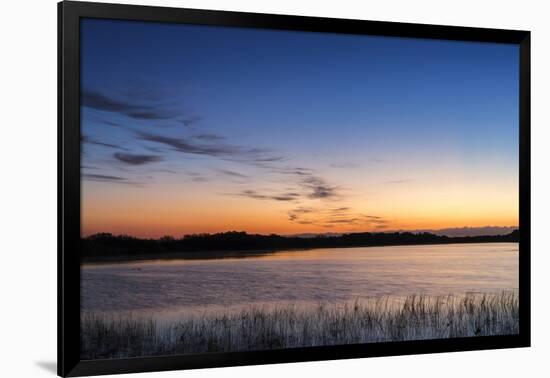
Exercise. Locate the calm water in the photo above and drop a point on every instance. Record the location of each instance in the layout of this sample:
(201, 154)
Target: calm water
(167, 288)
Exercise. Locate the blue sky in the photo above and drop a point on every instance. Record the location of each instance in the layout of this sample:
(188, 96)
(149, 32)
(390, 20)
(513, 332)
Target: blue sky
(175, 105)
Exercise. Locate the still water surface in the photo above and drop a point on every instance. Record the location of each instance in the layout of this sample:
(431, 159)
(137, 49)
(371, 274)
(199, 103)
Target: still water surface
(171, 288)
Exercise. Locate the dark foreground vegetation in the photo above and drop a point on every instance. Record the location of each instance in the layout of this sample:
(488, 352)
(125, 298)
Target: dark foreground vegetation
(256, 328)
(106, 245)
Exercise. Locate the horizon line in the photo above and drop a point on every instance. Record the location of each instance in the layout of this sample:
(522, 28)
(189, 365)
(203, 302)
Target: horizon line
(313, 234)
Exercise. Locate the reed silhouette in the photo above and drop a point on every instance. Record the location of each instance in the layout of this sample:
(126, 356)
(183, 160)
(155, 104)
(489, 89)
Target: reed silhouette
(257, 328)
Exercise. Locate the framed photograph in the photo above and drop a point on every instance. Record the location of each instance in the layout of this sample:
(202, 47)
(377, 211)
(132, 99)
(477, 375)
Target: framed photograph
(239, 188)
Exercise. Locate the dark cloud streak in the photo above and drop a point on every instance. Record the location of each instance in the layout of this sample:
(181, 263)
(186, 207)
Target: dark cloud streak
(209, 137)
(318, 188)
(127, 106)
(133, 159)
(330, 217)
(111, 179)
(220, 150)
(190, 121)
(228, 172)
(276, 197)
(87, 140)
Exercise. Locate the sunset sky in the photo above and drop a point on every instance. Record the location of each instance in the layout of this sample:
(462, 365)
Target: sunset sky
(192, 129)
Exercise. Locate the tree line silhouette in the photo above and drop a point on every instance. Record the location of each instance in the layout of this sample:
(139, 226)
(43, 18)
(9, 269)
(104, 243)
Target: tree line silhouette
(106, 245)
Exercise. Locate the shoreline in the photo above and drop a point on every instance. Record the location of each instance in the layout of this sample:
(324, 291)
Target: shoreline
(227, 254)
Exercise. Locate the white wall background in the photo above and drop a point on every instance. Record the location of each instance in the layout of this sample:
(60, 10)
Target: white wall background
(28, 186)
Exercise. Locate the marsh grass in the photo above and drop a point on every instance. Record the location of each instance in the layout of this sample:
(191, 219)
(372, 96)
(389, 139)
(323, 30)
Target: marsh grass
(257, 328)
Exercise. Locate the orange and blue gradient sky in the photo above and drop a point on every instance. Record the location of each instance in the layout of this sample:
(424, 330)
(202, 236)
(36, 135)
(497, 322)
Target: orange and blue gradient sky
(192, 129)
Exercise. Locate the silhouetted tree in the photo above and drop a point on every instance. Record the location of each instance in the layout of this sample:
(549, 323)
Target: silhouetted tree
(107, 245)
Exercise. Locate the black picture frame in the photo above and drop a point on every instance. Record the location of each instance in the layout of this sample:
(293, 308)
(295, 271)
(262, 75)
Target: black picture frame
(69, 14)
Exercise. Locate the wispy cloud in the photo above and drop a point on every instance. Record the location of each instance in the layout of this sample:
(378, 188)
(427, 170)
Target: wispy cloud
(307, 184)
(171, 171)
(340, 209)
(209, 137)
(312, 184)
(307, 187)
(87, 140)
(331, 217)
(214, 149)
(133, 159)
(187, 146)
(103, 177)
(143, 103)
(197, 177)
(190, 120)
(111, 179)
(290, 196)
(297, 171)
(264, 159)
(111, 123)
(129, 105)
(303, 210)
(318, 188)
(343, 220)
(228, 172)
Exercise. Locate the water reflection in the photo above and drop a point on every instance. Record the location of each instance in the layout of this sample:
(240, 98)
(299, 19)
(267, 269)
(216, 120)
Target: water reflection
(168, 288)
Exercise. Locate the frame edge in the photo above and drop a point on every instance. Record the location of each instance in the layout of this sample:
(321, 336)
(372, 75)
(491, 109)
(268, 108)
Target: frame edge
(69, 363)
(68, 171)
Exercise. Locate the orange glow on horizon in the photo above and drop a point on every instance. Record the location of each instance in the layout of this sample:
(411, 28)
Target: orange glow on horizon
(148, 220)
